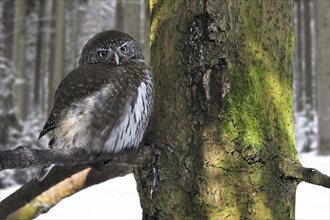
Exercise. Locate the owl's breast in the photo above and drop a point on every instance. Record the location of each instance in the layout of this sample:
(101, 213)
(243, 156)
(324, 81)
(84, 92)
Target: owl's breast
(106, 121)
(129, 129)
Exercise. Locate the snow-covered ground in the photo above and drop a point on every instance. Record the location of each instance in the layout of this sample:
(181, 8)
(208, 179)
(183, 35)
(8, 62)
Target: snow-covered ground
(118, 198)
(313, 202)
(114, 199)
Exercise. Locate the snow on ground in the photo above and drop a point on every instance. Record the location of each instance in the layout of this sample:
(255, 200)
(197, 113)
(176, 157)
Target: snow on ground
(313, 202)
(8, 191)
(118, 198)
(113, 199)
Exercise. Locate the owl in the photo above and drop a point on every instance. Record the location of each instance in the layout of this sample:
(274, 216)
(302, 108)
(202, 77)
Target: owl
(105, 103)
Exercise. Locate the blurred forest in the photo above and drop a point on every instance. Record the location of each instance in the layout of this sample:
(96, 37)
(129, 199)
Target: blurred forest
(312, 75)
(40, 42)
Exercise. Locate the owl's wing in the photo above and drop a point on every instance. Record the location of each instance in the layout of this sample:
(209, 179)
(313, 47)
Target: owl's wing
(85, 81)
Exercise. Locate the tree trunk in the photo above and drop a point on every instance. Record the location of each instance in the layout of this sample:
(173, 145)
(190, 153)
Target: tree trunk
(132, 18)
(51, 59)
(308, 59)
(8, 117)
(45, 60)
(119, 15)
(39, 56)
(59, 43)
(322, 32)
(57, 49)
(8, 29)
(72, 33)
(298, 58)
(222, 120)
(19, 57)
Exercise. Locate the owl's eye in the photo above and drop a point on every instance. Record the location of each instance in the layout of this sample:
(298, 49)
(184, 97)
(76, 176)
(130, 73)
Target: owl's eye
(102, 54)
(124, 49)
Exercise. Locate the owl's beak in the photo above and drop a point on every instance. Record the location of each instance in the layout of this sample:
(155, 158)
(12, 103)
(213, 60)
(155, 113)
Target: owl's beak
(113, 56)
(116, 58)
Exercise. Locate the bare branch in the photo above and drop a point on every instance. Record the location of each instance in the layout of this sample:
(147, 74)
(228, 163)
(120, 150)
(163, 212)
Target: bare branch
(79, 181)
(71, 160)
(29, 191)
(23, 156)
(295, 170)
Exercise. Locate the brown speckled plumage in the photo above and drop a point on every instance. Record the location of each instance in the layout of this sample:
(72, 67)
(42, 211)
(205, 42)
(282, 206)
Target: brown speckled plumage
(104, 104)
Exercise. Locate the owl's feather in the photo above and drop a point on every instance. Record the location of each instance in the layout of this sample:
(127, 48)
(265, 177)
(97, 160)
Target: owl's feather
(104, 104)
(81, 90)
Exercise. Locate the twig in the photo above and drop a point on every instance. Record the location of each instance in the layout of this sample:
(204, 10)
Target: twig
(295, 170)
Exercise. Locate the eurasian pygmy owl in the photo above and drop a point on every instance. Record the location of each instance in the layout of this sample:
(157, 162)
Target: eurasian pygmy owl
(104, 104)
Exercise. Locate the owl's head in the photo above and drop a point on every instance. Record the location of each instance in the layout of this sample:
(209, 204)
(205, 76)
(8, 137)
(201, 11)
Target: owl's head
(111, 47)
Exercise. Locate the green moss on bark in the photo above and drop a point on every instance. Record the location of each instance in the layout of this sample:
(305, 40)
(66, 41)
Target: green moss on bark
(223, 110)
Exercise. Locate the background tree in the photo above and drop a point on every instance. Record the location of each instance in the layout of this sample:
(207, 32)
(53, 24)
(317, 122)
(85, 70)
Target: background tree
(40, 56)
(322, 32)
(59, 51)
(19, 57)
(311, 76)
(8, 117)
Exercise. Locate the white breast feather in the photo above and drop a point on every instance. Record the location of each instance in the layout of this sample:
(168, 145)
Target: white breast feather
(130, 138)
(74, 128)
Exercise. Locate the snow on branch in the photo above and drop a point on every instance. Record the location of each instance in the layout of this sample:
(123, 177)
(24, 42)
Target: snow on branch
(24, 156)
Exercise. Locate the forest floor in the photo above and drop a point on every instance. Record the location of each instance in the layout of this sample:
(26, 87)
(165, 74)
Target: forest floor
(118, 198)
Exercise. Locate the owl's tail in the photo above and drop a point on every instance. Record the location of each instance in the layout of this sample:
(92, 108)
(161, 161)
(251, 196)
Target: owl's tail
(43, 172)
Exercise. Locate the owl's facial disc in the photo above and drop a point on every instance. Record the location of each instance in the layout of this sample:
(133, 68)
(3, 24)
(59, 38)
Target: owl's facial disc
(113, 47)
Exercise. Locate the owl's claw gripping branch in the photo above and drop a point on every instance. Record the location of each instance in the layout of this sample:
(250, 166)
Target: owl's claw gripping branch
(24, 156)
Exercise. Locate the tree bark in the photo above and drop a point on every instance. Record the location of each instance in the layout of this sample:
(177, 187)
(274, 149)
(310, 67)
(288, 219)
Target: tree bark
(223, 111)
